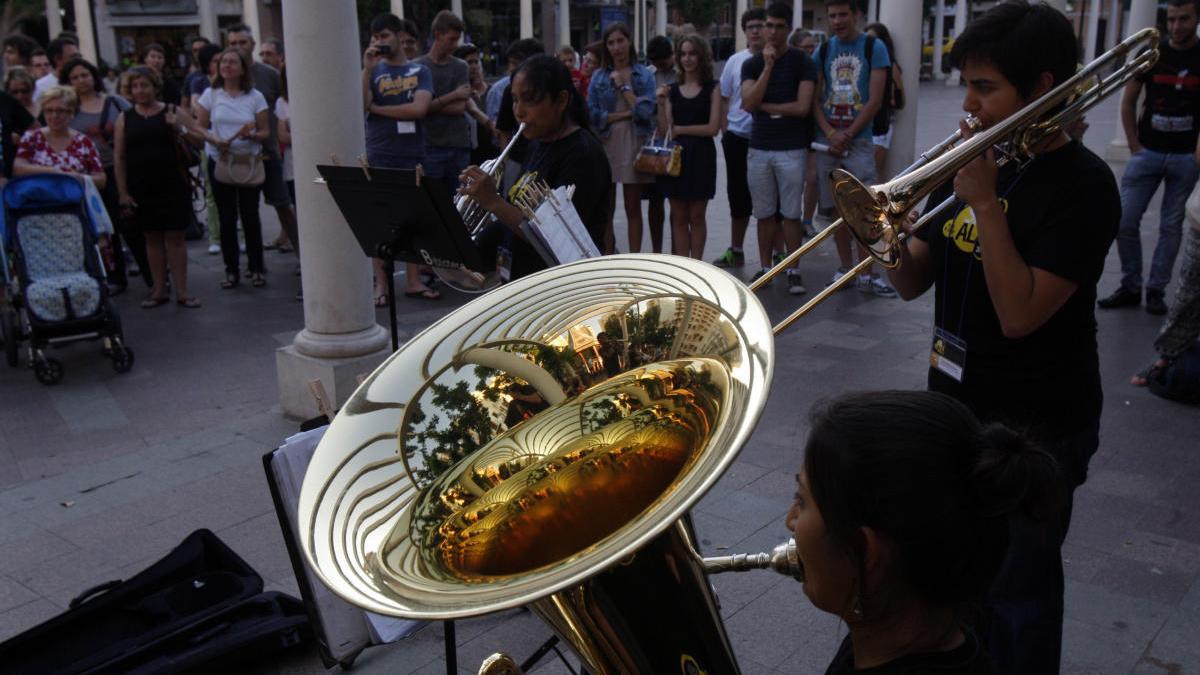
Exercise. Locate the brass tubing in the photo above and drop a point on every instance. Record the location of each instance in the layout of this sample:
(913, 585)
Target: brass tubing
(825, 293)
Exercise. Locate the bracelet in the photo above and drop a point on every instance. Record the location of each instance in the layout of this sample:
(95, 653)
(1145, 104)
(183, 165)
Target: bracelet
(624, 88)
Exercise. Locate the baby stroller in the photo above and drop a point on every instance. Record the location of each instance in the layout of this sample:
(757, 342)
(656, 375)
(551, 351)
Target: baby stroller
(54, 286)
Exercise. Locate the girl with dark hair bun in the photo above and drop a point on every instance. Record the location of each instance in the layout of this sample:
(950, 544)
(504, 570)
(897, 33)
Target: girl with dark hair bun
(901, 521)
(562, 151)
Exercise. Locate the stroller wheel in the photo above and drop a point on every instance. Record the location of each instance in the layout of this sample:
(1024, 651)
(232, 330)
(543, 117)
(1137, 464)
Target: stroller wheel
(122, 359)
(48, 371)
(11, 330)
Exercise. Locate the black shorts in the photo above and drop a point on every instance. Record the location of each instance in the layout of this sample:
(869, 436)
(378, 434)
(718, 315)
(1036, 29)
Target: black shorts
(735, 148)
(274, 191)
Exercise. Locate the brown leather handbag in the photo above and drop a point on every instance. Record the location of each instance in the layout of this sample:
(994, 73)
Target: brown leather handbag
(665, 159)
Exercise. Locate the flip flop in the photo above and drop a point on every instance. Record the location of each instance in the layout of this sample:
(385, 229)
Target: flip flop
(151, 303)
(424, 294)
(1152, 371)
(381, 300)
(190, 303)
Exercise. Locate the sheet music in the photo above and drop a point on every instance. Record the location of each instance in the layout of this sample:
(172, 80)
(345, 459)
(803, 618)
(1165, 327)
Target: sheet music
(344, 625)
(557, 230)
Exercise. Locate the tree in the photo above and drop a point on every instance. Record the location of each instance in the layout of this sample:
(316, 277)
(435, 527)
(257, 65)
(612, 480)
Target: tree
(700, 13)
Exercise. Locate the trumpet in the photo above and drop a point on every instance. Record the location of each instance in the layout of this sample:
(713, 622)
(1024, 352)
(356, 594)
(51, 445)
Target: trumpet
(875, 215)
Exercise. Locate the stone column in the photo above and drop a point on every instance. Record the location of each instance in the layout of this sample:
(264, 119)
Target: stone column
(1142, 14)
(84, 29)
(1093, 29)
(209, 27)
(739, 40)
(526, 19)
(903, 19)
(961, 10)
(939, 27)
(340, 338)
(250, 18)
(53, 18)
(1113, 25)
(564, 24)
(398, 8)
(1060, 5)
(797, 14)
(660, 17)
(456, 8)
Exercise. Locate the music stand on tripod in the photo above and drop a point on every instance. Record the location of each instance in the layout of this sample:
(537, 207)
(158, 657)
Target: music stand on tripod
(398, 214)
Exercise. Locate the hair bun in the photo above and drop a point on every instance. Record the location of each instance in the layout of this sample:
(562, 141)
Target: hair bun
(1013, 475)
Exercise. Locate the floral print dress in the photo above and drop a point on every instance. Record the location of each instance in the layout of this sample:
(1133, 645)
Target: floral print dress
(80, 156)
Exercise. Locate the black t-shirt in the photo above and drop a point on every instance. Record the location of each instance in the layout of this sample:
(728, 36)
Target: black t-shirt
(785, 132)
(1063, 209)
(969, 658)
(14, 119)
(1170, 120)
(577, 159)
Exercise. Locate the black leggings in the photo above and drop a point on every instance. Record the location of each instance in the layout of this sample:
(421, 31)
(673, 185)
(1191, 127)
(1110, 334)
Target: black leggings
(232, 201)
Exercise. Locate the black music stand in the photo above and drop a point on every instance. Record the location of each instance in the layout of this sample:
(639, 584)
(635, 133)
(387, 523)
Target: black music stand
(398, 214)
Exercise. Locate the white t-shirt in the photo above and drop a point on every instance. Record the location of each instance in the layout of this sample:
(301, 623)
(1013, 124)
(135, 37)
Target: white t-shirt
(228, 113)
(43, 83)
(282, 113)
(740, 121)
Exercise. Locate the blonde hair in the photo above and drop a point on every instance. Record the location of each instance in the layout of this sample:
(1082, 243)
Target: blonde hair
(60, 91)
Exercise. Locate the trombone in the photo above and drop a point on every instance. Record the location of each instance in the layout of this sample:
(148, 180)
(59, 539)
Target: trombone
(875, 214)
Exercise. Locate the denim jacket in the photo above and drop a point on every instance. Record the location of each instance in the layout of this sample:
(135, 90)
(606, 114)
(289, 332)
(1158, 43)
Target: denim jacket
(602, 100)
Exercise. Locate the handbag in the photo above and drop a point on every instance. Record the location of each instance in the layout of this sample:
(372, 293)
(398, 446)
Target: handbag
(240, 170)
(660, 160)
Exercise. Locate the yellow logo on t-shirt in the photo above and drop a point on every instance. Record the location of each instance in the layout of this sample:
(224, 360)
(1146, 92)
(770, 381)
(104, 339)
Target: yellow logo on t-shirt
(396, 86)
(962, 230)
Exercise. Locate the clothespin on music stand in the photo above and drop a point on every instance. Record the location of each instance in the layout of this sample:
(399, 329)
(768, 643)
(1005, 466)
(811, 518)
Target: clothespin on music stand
(420, 171)
(317, 389)
(366, 168)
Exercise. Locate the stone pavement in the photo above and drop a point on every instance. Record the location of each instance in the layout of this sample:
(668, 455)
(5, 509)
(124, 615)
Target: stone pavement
(103, 474)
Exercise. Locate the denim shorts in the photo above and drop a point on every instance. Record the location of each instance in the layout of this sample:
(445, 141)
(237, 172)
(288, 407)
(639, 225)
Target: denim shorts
(777, 177)
(859, 161)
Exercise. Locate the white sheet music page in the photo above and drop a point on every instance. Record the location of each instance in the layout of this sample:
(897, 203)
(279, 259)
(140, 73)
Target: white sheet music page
(558, 226)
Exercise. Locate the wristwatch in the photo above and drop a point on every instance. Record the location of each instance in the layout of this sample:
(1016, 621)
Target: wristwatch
(624, 88)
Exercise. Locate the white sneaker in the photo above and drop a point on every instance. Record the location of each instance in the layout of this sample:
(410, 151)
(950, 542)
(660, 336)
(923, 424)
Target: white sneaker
(841, 272)
(881, 288)
(214, 249)
(864, 283)
(795, 283)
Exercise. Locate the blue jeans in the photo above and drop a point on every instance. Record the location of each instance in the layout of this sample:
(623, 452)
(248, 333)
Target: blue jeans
(1143, 173)
(445, 163)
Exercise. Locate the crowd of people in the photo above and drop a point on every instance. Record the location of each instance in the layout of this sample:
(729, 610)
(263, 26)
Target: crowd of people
(910, 505)
(138, 137)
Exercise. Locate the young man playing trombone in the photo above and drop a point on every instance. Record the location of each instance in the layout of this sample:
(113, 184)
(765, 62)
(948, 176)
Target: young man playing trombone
(1014, 263)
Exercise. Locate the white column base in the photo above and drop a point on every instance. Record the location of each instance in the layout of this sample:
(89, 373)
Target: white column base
(1117, 150)
(338, 376)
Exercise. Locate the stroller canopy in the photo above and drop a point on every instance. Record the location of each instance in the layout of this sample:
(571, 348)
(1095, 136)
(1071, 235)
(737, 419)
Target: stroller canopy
(48, 190)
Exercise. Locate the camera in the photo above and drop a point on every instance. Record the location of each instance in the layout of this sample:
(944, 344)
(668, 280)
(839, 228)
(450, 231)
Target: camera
(383, 50)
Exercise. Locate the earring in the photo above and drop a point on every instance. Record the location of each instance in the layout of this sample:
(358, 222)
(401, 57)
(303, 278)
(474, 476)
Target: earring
(857, 609)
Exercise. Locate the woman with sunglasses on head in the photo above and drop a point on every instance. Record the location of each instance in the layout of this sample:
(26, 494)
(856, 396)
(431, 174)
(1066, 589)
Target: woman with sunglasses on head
(901, 522)
(562, 151)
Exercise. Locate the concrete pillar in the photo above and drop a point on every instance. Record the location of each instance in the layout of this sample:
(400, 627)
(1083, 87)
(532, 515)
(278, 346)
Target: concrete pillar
(398, 8)
(564, 24)
(903, 19)
(526, 19)
(797, 14)
(1113, 25)
(660, 17)
(739, 40)
(456, 8)
(1142, 14)
(961, 10)
(939, 26)
(1093, 30)
(250, 18)
(106, 37)
(53, 18)
(340, 338)
(1060, 5)
(85, 30)
(209, 27)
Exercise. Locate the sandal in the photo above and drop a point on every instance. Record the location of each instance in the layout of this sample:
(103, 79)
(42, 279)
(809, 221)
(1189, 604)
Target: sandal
(381, 300)
(152, 302)
(1150, 372)
(231, 281)
(423, 294)
(189, 303)
(257, 280)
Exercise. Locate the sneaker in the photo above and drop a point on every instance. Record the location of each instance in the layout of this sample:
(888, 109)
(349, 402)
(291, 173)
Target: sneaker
(778, 258)
(1122, 297)
(864, 283)
(837, 276)
(881, 288)
(795, 283)
(731, 258)
(214, 249)
(1156, 303)
(759, 274)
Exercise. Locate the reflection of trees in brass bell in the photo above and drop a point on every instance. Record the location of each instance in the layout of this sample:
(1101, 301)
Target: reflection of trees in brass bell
(560, 483)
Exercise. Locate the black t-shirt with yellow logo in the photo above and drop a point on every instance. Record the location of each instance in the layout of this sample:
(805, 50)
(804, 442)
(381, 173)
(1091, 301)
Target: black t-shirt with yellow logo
(1063, 209)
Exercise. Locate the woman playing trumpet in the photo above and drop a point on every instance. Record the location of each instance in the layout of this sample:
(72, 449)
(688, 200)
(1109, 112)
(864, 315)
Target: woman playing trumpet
(563, 151)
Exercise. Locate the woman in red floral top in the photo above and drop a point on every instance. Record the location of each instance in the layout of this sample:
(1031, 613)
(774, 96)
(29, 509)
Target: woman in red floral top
(56, 147)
